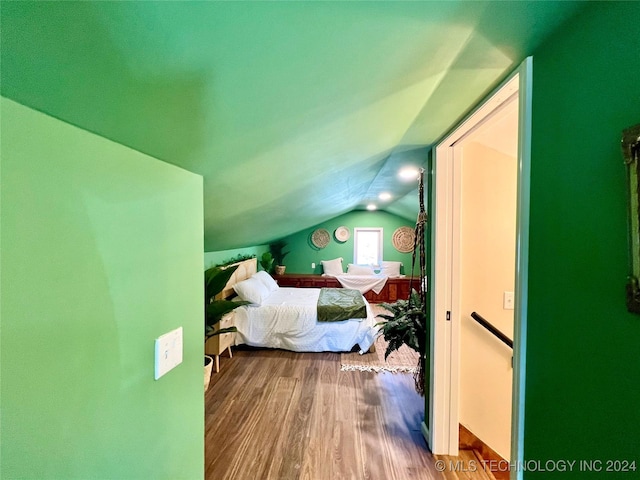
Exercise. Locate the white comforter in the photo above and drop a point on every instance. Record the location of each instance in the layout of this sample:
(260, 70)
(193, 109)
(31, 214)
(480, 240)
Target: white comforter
(287, 319)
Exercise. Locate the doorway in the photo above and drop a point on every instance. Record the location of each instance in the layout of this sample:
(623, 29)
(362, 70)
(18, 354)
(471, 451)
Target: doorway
(487, 159)
(448, 285)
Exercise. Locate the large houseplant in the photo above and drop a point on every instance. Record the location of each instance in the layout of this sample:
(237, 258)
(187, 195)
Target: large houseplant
(277, 251)
(215, 279)
(406, 324)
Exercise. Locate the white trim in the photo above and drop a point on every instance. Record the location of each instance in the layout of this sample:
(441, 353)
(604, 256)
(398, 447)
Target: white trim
(445, 296)
(455, 158)
(525, 73)
(438, 439)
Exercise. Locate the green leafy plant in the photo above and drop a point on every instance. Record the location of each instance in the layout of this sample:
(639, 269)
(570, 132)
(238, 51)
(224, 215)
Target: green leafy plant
(238, 258)
(277, 251)
(406, 325)
(215, 279)
(266, 261)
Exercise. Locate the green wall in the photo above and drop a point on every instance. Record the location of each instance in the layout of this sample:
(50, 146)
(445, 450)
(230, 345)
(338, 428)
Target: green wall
(214, 258)
(101, 254)
(303, 253)
(583, 348)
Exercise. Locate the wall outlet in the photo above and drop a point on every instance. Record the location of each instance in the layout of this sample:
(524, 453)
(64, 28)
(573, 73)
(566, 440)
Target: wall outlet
(168, 352)
(508, 301)
(313, 265)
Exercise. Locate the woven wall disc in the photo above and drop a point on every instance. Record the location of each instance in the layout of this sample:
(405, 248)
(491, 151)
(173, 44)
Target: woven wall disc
(320, 238)
(403, 239)
(342, 234)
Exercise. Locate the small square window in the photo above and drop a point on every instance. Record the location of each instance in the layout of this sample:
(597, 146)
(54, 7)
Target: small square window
(367, 246)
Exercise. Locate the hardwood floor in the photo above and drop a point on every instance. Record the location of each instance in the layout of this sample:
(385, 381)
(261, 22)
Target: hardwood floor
(277, 415)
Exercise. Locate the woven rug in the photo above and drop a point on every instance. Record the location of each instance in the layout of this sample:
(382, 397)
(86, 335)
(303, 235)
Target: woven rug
(403, 360)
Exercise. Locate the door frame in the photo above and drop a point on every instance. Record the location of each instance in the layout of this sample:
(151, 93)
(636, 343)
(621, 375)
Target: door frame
(443, 419)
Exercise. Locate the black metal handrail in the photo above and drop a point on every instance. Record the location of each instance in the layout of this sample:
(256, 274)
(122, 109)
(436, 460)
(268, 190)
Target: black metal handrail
(486, 324)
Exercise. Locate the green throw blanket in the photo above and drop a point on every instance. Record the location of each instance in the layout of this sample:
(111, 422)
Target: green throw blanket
(336, 304)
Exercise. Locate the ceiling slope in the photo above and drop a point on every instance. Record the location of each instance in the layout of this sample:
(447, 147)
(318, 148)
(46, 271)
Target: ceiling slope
(294, 112)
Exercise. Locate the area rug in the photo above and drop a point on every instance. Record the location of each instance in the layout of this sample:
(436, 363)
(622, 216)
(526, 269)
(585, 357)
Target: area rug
(403, 360)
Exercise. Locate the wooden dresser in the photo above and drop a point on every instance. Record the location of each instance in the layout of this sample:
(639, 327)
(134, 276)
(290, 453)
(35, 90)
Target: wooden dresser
(394, 289)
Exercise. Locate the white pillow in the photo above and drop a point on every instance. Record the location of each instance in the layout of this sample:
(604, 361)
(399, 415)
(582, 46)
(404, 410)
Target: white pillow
(267, 280)
(332, 267)
(359, 269)
(252, 290)
(391, 269)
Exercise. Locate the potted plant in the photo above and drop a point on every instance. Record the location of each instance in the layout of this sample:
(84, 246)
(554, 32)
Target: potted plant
(266, 261)
(215, 279)
(277, 251)
(407, 325)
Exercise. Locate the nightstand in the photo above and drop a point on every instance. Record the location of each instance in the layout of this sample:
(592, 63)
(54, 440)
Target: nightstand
(219, 343)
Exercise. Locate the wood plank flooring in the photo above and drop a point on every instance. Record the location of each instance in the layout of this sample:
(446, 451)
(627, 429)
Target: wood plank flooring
(277, 415)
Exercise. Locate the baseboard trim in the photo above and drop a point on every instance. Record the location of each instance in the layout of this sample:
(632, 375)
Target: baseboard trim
(425, 433)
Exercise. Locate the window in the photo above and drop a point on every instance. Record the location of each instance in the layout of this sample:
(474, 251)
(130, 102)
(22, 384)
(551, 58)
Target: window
(367, 246)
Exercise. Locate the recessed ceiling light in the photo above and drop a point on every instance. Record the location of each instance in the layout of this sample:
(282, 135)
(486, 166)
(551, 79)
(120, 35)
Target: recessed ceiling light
(384, 196)
(408, 173)
(371, 207)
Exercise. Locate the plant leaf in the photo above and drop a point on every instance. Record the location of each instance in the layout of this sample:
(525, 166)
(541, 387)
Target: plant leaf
(215, 279)
(406, 324)
(218, 308)
(210, 332)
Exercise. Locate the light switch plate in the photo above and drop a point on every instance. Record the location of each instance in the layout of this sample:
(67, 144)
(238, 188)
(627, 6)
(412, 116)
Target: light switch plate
(508, 301)
(168, 352)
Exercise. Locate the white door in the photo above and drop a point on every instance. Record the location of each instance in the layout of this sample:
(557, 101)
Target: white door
(446, 312)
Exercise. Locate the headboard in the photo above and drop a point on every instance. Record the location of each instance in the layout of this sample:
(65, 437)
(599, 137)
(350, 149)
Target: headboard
(245, 269)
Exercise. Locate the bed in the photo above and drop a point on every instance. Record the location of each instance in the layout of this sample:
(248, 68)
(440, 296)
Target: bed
(287, 317)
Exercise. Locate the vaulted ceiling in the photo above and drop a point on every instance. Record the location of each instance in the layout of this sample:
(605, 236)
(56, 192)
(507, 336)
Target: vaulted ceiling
(293, 112)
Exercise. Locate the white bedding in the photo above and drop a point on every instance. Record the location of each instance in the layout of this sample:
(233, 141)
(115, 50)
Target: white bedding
(287, 319)
(363, 283)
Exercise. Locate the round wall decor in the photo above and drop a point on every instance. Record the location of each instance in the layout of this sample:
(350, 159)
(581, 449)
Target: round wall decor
(403, 239)
(342, 234)
(320, 238)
